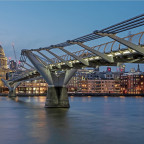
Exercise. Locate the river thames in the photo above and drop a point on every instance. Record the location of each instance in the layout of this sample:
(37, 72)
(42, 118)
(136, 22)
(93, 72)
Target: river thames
(93, 120)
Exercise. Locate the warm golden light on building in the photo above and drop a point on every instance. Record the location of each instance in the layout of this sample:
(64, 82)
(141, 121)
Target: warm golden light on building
(3, 70)
(33, 87)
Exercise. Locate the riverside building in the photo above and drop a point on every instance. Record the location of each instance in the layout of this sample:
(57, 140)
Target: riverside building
(93, 81)
(132, 82)
(35, 87)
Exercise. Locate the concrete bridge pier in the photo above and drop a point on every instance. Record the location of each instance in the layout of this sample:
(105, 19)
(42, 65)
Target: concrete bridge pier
(57, 96)
(12, 92)
(12, 87)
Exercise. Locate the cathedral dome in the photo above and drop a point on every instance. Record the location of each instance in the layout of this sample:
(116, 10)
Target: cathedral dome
(2, 54)
(3, 59)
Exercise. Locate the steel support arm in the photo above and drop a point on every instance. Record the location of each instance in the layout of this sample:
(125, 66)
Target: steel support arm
(135, 47)
(63, 78)
(58, 66)
(68, 75)
(11, 86)
(24, 68)
(103, 56)
(75, 56)
(40, 67)
(58, 57)
(29, 65)
(44, 63)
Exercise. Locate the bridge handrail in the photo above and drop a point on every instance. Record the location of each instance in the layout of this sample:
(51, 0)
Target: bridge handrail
(82, 52)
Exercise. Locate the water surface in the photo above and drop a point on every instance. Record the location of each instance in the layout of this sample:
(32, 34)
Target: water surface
(94, 120)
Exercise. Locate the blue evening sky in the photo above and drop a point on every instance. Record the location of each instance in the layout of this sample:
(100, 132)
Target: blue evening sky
(37, 24)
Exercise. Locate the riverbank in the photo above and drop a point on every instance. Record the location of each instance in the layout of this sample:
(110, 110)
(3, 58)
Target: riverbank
(82, 94)
(104, 94)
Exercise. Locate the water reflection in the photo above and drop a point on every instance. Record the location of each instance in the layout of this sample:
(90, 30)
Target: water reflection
(59, 124)
(71, 98)
(119, 120)
(122, 98)
(106, 98)
(86, 99)
(39, 127)
(89, 98)
(42, 99)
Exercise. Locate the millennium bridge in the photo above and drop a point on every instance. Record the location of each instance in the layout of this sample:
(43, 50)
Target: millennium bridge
(56, 64)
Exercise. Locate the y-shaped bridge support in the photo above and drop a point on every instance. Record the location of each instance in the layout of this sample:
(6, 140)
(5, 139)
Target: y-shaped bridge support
(57, 95)
(57, 92)
(11, 87)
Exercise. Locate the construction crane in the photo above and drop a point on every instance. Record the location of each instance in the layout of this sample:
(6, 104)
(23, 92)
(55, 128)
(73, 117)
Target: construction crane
(14, 52)
(15, 55)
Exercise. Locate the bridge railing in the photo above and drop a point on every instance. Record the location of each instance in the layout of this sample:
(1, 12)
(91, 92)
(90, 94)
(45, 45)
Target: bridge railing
(108, 47)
